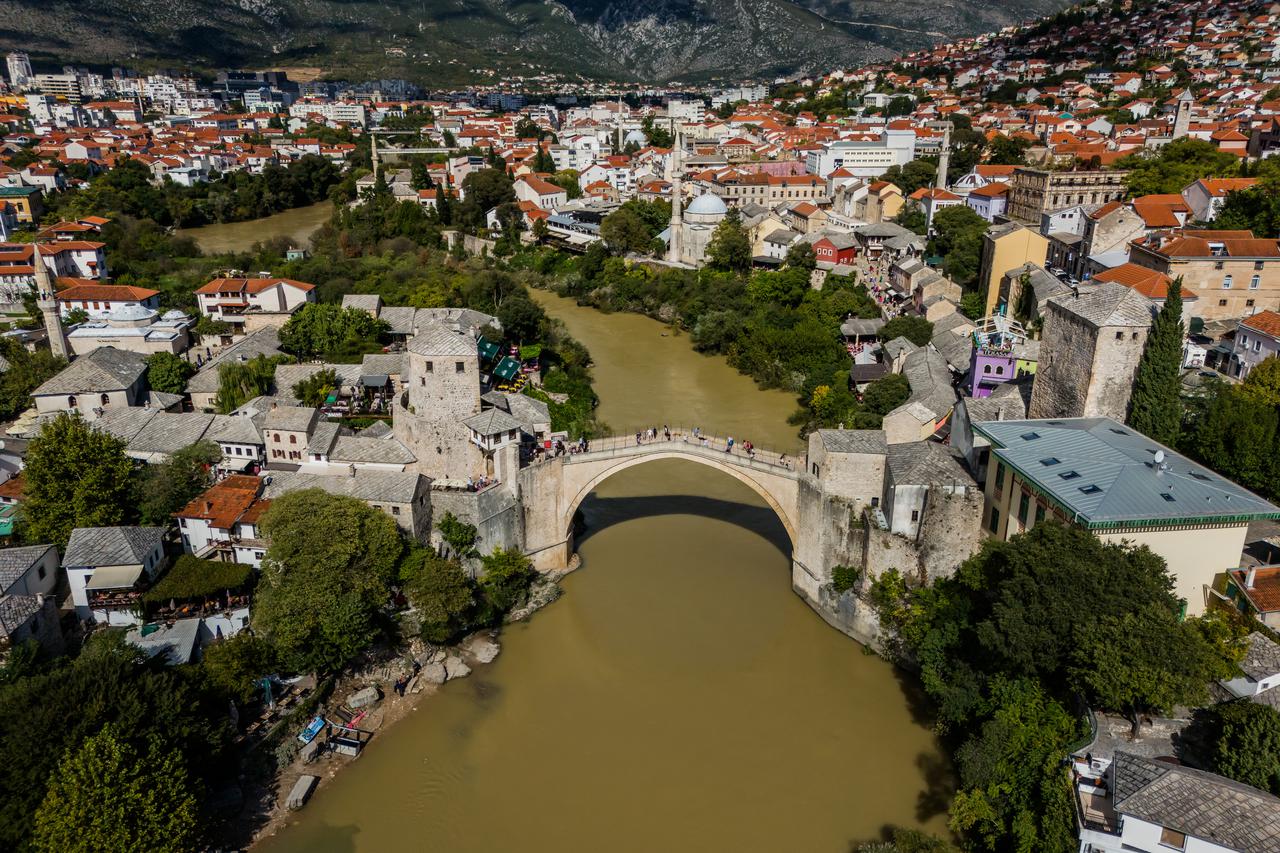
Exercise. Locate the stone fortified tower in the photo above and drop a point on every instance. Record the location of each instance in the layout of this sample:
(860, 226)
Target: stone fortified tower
(443, 389)
(48, 303)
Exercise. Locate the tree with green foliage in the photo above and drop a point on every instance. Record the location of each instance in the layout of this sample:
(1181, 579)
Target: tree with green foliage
(24, 372)
(912, 218)
(1262, 384)
(110, 683)
(1007, 151)
(1239, 740)
(624, 231)
(332, 332)
(506, 578)
(730, 248)
(241, 381)
(168, 373)
(443, 597)
(1012, 793)
(484, 189)
(167, 487)
(800, 255)
(1179, 164)
(1237, 435)
(1145, 661)
(315, 389)
(238, 664)
(912, 176)
(1155, 407)
(107, 795)
(1025, 306)
(458, 535)
(523, 320)
(76, 476)
(918, 330)
(957, 238)
(886, 394)
(326, 574)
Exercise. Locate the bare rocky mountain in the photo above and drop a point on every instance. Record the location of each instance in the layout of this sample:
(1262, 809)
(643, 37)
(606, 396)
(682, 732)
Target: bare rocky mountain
(656, 40)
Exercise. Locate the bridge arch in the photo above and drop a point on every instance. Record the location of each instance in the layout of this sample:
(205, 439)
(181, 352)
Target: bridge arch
(776, 485)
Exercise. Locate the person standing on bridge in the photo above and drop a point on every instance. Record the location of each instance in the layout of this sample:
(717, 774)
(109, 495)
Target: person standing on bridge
(638, 439)
(666, 432)
(728, 445)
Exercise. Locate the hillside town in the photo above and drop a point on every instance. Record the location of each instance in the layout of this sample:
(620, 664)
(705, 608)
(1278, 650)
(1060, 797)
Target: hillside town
(1024, 287)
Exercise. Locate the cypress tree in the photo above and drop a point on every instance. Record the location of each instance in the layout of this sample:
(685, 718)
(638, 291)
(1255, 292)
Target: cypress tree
(1155, 409)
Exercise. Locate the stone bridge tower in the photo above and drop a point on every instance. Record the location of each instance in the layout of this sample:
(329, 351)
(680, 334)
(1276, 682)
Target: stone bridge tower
(442, 390)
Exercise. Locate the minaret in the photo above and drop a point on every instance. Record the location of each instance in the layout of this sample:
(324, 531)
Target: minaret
(48, 304)
(944, 157)
(373, 153)
(1182, 119)
(676, 165)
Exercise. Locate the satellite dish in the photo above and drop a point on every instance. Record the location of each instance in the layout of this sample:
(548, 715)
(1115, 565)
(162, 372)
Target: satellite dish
(1159, 456)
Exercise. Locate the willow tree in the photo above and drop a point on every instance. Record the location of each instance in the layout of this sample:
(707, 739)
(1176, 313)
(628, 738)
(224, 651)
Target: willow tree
(1155, 409)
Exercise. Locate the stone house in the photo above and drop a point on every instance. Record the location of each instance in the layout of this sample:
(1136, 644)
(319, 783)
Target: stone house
(850, 463)
(108, 569)
(1233, 273)
(106, 378)
(915, 469)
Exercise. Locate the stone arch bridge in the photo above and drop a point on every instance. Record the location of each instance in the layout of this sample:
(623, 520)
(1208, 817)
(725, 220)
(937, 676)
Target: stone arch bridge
(552, 491)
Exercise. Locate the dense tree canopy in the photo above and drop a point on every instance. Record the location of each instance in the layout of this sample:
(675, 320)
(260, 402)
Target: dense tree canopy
(1177, 165)
(108, 795)
(332, 332)
(1155, 407)
(168, 373)
(166, 487)
(76, 476)
(325, 576)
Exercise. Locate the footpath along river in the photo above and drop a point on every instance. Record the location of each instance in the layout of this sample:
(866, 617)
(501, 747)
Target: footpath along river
(678, 697)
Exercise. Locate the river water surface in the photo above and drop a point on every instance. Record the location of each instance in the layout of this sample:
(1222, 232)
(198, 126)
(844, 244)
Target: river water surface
(678, 697)
(297, 224)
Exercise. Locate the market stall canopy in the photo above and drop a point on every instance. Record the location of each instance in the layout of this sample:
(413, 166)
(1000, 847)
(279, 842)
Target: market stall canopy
(507, 369)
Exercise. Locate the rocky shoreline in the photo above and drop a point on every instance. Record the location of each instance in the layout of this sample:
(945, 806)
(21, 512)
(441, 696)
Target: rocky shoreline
(373, 687)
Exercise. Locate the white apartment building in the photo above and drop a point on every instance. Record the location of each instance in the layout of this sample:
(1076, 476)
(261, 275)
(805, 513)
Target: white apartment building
(864, 158)
(19, 67)
(232, 300)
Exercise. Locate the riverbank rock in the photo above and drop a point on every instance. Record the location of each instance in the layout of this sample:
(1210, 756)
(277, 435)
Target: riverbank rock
(542, 593)
(456, 667)
(364, 697)
(481, 647)
(433, 673)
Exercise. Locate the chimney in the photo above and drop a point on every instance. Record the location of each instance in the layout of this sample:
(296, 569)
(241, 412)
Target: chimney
(1251, 577)
(208, 506)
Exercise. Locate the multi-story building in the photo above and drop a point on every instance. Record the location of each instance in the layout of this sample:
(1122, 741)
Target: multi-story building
(1006, 247)
(66, 86)
(249, 302)
(1233, 273)
(867, 159)
(1034, 192)
(766, 190)
(1098, 474)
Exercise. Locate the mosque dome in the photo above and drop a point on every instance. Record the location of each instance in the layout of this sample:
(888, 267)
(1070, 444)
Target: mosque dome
(708, 205)
(637, 137)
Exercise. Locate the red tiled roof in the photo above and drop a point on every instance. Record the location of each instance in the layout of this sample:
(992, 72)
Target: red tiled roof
(106, 293)
(1265, 594)
(1267, 322)
(1150, 283)
(249, 285)
(224, 503)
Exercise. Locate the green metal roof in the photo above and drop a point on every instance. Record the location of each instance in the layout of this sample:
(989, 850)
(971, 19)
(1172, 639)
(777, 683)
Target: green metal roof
(1102, 474)
(507, 369)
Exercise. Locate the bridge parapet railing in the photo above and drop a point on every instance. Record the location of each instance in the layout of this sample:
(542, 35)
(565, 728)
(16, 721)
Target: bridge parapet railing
(689, 440)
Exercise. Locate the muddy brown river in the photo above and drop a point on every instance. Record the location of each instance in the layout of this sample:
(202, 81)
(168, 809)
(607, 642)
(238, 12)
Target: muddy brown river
(297, 224)
(678, 697)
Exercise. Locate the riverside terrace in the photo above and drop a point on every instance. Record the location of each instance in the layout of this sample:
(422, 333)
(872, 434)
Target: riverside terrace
(1099, 474)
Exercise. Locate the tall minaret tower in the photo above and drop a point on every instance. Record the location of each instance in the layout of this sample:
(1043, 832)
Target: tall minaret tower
(676, 165)
(48, 304)
(373, 154)
(944, 157)
(1182, 118)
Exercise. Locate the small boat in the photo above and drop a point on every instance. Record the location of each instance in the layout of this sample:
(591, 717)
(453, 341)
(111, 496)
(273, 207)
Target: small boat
(313, 728)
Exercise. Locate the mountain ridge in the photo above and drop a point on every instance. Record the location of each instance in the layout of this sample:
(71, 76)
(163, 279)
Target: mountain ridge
(642, 40)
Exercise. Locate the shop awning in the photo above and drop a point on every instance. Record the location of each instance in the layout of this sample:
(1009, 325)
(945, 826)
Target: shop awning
(507, 369)
(114, 577)
(488, 349)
